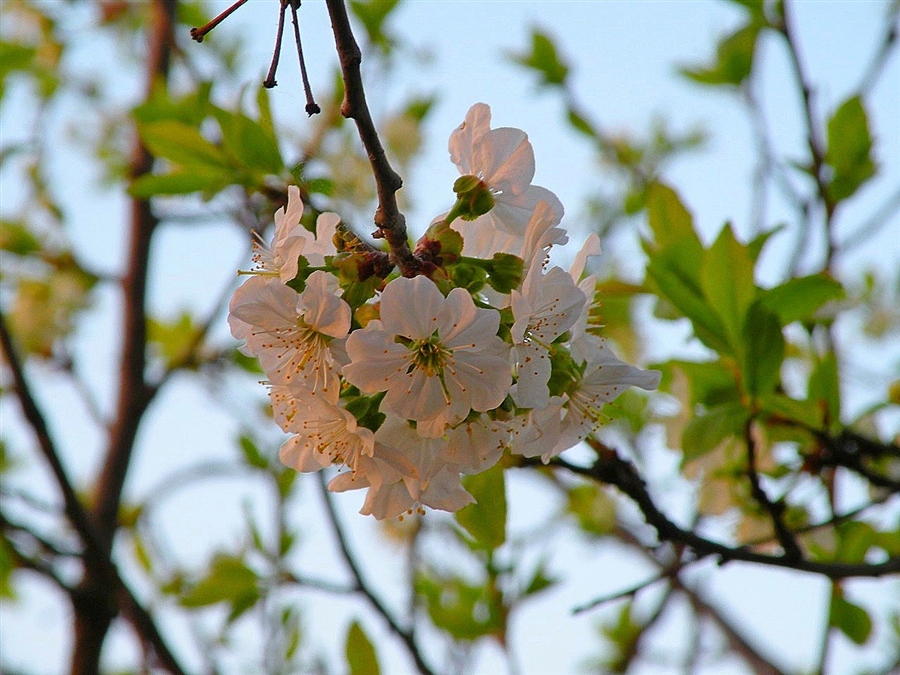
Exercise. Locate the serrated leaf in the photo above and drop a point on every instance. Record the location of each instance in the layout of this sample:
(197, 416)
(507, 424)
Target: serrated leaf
(727, 282)
(485, 520)
(544, 59)
(360, 652)
(798, 299)
(849, 149)
(763, 351)
(852, 620)
(675, 272)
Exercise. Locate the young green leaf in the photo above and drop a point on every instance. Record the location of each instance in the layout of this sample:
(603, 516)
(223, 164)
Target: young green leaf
(360, 652)
(727, 280)
(851, 619)
(734, 59)
(849, 149)
(544, 59)
(798, 299)
(763, 351)
(485, 520)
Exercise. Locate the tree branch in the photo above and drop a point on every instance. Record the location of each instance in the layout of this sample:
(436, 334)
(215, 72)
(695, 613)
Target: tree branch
(612, 469)
(363, 587)
(390, 222)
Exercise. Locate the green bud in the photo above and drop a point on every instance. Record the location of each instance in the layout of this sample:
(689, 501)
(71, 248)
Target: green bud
(505, 273)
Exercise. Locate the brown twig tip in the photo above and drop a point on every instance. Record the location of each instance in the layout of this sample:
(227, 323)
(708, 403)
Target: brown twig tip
(270, 83)
(313, 109)
(198, 34)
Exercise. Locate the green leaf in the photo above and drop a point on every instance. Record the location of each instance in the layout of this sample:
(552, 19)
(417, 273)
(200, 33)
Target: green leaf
(373, 14)
(763, 351)
(252, 455)
(798, 299)
(544, 58)
(190, 110)
(182, 144)
(734, 59)
(671, 222)
(360, 652)
(180, 183)
(539, 581)
(704, 432)
(485, 520)
(727, 281)
(855, 538)
(849, 149)
(824, 389)
(7, 567)
(464, 610)
(852, 620)
(228, 580)
(593, 507)
(249, 143)
(676, 274)
(16, 237)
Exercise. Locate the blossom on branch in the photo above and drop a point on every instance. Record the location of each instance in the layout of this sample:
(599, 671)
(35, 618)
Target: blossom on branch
(408, 384)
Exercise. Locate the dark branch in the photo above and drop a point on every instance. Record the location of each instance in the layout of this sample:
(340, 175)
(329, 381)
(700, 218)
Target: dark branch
(775, 510)
(612, 469)
(390, 222)
(363, 587)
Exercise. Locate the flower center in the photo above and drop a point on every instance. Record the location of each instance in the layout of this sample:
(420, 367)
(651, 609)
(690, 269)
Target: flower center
(429, 355)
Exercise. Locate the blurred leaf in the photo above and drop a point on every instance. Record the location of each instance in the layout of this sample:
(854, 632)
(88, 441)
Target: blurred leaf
(373, 14)
(849, 149)
(182, 144)
(180, 182)
(174, 341)
(824, 390)
(16, 237)
(734, 59)
(704, 432)
(798, 299)
(248, 142)
(763, 351)
(539, 581)
(229, 580)
(485, 520)
(544, 58)
(7, 566)
(190, 110)
(464, 610)
(852, 620)
(252, 455)
(594, 509)
(855, 538)
(360, 652)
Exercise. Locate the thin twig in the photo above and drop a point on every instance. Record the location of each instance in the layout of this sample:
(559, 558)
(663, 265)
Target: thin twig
(612, 469)
(775, 510)
(362, 585)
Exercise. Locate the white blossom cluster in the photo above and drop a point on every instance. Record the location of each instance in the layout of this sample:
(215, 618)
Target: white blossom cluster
(410, 383)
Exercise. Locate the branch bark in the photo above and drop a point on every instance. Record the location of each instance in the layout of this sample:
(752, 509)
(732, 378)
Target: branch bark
(390, 222)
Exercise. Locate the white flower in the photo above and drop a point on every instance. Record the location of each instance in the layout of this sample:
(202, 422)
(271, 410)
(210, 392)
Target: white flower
(504, 159)
(427, 480)
(605, 377)
(291, 240)
(325, 433)
(537, 432)
(476, 444)
(546, 307)
(290, 332)
(436, 357)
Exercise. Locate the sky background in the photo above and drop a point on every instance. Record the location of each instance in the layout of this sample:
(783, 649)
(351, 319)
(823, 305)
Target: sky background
(623, 56)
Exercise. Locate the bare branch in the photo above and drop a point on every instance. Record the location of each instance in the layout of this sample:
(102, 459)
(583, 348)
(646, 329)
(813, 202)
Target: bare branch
(390, 222)
(363, 587)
